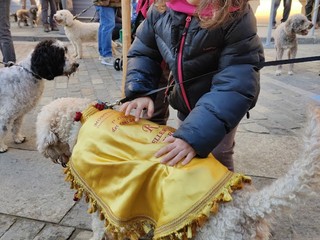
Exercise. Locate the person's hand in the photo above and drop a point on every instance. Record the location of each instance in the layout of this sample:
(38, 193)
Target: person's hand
(139, 105)
(177, 150)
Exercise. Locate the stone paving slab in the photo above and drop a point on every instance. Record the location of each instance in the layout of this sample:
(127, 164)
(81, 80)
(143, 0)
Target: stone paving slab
(258, 154)
(55, 232)
(33, 187)
(23, 229)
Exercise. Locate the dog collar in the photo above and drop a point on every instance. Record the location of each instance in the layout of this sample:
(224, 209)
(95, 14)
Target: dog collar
(37, 76)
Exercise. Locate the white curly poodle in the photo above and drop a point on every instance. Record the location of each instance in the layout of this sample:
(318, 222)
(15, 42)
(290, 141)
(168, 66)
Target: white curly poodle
(21, 85)
(248, 216)
(285, 37)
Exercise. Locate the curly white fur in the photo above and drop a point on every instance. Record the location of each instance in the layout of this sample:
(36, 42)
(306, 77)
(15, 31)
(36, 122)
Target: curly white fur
(78, 32)
(21, 85)
(53, 140)
(285, 37)
(248, 216)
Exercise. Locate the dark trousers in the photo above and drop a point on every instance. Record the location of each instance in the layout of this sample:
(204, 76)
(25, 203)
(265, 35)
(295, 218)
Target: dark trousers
(6, 43)
(286, 10)
(224, 151)
(309, 10)
(45, 8)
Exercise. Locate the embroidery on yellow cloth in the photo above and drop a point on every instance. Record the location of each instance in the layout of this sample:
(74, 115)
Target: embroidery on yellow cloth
(113, 164)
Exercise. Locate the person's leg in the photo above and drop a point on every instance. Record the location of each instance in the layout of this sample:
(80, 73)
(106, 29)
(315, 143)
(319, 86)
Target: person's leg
(6, 43)
(64, 4)
(44, 15)
(318, 17)
(33, 2)
(308, 9)
(23, 4)
(224, 151)
(274, 14)
(53, 10)
(286, 10)
(107, 24)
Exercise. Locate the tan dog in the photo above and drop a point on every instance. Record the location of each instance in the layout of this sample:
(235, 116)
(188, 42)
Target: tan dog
(79, 32)
(25, 16)
(285, 37)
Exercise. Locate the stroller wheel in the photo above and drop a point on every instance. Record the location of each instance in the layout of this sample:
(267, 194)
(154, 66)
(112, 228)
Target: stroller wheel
(116, 64)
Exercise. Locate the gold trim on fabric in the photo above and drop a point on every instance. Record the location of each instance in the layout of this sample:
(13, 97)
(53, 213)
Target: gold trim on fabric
(196, 209)
(113, 165)
(139, 226)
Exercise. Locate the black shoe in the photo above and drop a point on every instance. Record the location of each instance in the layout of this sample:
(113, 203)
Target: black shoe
(46, 28)
(9, 64)
(54, 28)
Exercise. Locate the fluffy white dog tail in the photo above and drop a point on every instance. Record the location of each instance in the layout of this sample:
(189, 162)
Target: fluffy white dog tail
(301, 179)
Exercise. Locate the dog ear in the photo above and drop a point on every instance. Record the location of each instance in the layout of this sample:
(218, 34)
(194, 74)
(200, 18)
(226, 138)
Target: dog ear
(51, 147)
(48, 60)
(68, 18)
(289, 25)
(45, 144)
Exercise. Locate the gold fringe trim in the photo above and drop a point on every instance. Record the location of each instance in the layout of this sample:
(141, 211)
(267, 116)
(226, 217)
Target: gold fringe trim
(139, 228)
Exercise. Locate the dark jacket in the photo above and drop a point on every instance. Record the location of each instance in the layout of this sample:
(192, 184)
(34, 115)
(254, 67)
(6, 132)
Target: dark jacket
(223, 64)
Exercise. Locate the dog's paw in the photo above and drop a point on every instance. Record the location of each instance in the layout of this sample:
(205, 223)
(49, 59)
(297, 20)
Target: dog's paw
(19, 139)
(3, 148)
(290, 73)
(278, 72)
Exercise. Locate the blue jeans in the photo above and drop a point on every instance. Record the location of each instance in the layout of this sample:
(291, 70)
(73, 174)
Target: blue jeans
(107, 24)
(6, 43)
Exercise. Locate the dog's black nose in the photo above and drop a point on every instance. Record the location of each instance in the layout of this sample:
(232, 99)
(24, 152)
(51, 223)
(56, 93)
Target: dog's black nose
(76, 65)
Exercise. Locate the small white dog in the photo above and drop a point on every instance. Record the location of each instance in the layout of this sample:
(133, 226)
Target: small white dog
(79, 32)
(247, 216)
(285, 37)
(21, 85)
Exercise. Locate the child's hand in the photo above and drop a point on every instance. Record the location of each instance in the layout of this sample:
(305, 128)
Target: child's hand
(139, 104)
(176, 151)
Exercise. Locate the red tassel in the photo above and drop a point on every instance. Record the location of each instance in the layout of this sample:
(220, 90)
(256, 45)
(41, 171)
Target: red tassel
(77, 117)
(99, 106)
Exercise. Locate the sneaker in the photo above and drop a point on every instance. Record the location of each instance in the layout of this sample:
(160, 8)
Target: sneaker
(107, 61)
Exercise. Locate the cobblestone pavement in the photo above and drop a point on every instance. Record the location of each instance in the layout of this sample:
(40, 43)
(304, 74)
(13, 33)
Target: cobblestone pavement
(36, 203)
